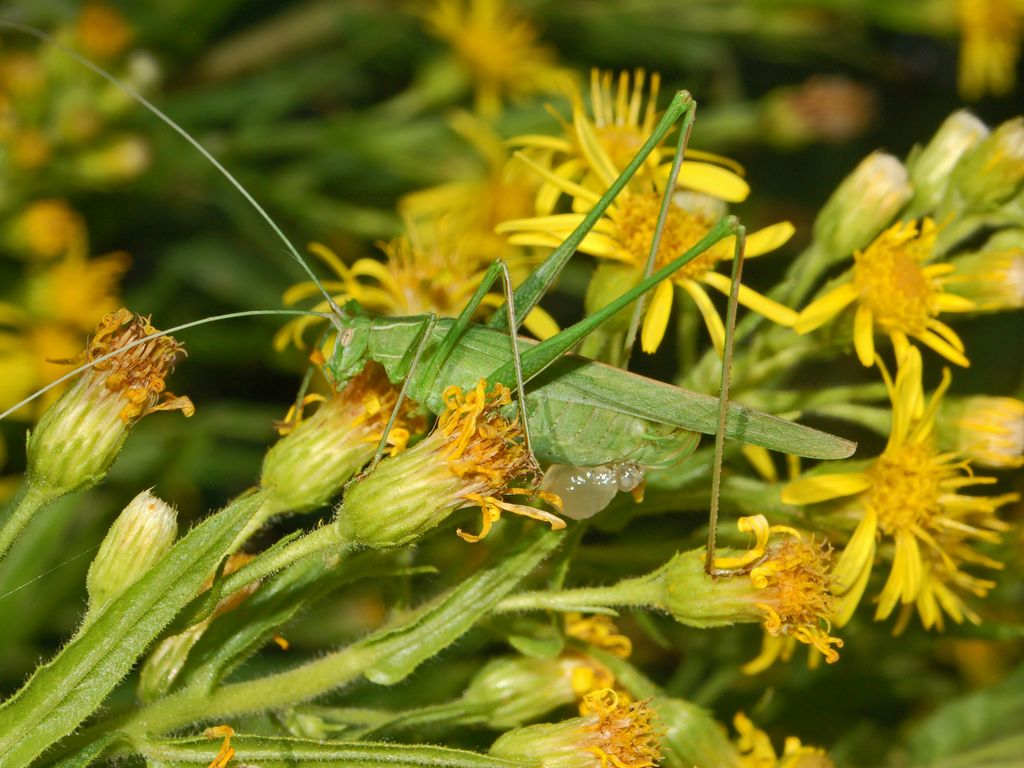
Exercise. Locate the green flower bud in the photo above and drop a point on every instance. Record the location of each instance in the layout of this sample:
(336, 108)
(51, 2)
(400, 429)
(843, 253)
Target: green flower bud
(866, 201)
(139, 537)
(930, 166)
(991, 172)
(80, 435)
(317, 456)
(993, 277)
(513, 691)
(989, 431)
(612, 731)
(470, 459)
(691, 736)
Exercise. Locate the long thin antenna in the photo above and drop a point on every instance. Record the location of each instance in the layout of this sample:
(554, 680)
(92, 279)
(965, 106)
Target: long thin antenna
(150, 337)
(292, 250)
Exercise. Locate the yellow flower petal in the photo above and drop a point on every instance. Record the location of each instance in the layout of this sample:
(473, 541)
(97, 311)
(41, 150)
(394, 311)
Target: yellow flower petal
(656, 320)
(764, 306)
(711, 317)
(712, 180)
(858, 554)
(811, 490)
(769, 238)
(761, 460)
(540, 324)
(819, 312)
(864, 335)
(950, 302)
(944, 348)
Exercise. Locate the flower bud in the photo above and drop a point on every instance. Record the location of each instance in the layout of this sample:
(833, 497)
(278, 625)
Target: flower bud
(993, 170)
(513, 691)
(80, 435)
(986, 430)
(993, 277)
(611, 731)
(866, 201)
(930, 166)
(139, 537)
(470, 459)
(692, 737)
(318, 455)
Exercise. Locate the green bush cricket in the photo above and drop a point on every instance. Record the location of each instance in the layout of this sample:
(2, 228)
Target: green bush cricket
(577, 411)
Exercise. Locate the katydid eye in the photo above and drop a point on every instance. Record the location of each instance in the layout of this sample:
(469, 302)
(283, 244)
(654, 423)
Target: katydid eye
(346, 337)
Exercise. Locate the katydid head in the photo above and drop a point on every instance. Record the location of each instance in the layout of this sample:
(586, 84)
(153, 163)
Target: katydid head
(351, 343)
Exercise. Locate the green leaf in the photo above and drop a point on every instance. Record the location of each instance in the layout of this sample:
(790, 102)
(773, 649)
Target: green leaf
(90, 752)
(441, 622)
(61, 694)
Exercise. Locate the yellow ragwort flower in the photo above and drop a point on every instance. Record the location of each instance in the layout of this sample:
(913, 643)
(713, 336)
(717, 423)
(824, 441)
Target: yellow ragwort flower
(415, 278)
(991, 32)
(898, 291)
(597, 149)
(793, 589)
(756, 750)
(499, 49)
(911, 495)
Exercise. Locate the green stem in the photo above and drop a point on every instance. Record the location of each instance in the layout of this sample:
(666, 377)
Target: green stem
(637, 592)
(320, 540)
(271, 692)
(30, 499)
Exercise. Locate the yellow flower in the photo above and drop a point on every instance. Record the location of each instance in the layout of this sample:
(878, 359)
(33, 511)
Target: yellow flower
(465, 212)
(911, 495)
(756, 750)
(472, 458)
(599, 143)
(63, 301)
(897, 290)
(51, 228)
(102, 32)
(793, 589)
(991, 32)
(598, 630)
(498, 48)
(992, 277)
(416, 278)
(588, 160)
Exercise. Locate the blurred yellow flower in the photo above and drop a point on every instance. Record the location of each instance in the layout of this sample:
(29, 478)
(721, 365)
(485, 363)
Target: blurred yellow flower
(416, 278)
(991, 32)
(467, 211)
(499, 49)
(911, 494)
(50, 228)
(897, 290)
(756, 750)
(102, 32)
